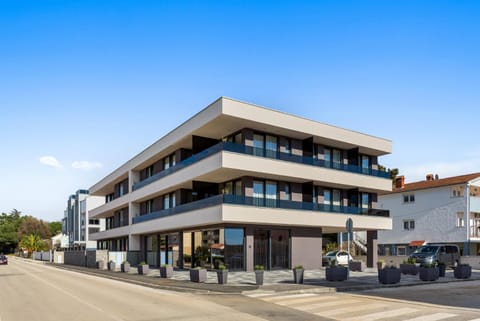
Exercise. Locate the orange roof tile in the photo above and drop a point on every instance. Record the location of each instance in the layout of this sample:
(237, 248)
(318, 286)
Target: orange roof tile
(436, 183)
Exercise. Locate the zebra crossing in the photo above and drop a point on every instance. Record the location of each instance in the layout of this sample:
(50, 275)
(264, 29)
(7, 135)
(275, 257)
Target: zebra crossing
(350, 307)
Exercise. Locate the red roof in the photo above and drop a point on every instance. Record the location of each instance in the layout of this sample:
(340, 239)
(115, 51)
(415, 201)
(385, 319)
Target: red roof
(462, 179)
(417, 243)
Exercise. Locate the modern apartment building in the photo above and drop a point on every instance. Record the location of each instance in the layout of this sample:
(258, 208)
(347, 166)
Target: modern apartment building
(76, 224)
(243, 185)
(434, 210)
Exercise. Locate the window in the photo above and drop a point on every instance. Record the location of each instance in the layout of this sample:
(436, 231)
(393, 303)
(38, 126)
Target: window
(457, 191)
(288, 194)
(409, 198)
(460, 219)
(408, 225)
(401, 250)
(365, 164)
(288, 148)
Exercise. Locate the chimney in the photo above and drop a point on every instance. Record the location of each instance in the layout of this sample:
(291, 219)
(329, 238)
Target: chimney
(400, 181)
(430, 177)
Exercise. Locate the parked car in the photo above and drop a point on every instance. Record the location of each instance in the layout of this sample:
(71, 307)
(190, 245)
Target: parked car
(449, 254)
(342, 257)
(3, 259)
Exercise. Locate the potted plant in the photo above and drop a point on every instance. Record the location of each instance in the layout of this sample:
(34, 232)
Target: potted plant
(259, 269)
(166, 271)
(441, 269)
(462, 271)
(111, 265)
(409, 266)
(125, 266)
(428, 272)
(101, 265)
(336, 272)
(389, 275)
(298, 271)
(198, 274)
(222, 274)
(142, 268)
(380, 264)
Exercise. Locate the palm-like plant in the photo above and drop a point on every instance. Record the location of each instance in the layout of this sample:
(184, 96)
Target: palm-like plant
(32, 243)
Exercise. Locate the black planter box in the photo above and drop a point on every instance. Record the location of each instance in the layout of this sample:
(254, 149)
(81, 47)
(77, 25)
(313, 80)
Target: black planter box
(298, 276)
(222, 276)
(441, 270)
(259, 277)
(389, 276)
(166, 271)
(198, 275)
(462, 271)
(142, 269)
(428, 273)
(336, 273)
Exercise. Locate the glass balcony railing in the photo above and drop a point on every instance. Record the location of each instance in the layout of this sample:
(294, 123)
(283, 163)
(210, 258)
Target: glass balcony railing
(259, 202)
(260, 152)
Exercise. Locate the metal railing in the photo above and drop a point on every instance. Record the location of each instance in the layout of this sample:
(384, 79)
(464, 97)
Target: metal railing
(260, 152)
(258, 202)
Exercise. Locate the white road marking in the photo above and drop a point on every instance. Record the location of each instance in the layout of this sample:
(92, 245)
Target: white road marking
(434, 317)
(381, 315)
(350, 309)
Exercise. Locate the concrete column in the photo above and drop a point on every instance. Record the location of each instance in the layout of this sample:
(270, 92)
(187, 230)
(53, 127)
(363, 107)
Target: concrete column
(306, 248)
(133, 210)
(372, 248)
(180, 250)
(133, 178)
(249, 264)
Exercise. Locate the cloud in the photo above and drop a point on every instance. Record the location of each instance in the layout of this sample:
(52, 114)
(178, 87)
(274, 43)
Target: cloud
(86, 165)
(50, 161)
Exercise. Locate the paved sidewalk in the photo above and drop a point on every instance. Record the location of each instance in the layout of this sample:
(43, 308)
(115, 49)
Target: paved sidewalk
(274, 281)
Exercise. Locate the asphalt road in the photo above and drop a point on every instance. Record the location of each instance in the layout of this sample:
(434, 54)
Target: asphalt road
(31, 291)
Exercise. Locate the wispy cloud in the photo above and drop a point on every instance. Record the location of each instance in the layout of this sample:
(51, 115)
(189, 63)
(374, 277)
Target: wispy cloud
(50, 161)
(86, 165)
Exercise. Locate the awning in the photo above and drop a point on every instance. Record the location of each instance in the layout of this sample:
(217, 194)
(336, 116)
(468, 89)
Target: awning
(417, 243)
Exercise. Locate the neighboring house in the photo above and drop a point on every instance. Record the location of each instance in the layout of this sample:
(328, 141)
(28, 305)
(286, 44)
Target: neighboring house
(60, 241)
(435, 210)
(243, 185)
(76, 224)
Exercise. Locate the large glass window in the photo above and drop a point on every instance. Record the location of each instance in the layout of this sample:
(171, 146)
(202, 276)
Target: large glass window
(327, 197)
(271, 146)
(337, 158)
(258, 196)
(166, 201)
(258, 144)
(234, 248)
(271, 194)
(287, 192)
(365, 163)
(336, 198)
(327, 156)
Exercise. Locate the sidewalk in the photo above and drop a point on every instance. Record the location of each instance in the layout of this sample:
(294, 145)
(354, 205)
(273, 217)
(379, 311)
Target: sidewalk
(274, 281)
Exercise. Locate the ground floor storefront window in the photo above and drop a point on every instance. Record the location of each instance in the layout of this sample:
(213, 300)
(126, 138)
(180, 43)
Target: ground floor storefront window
(272, 248)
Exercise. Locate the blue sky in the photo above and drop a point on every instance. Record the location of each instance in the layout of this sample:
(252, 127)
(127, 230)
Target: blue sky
(84, 84)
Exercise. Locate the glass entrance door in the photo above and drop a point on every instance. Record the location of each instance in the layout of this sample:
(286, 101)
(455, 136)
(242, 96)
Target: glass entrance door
(260, 248)
(271, 249)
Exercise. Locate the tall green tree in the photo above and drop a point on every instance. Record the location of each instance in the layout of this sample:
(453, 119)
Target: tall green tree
(55, 228)
(9, 225)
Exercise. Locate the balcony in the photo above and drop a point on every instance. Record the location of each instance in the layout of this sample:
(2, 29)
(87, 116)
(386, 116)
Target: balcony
(259, 152)
(259, 202)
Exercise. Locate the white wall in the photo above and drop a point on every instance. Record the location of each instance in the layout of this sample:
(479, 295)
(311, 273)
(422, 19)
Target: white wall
(434, 212)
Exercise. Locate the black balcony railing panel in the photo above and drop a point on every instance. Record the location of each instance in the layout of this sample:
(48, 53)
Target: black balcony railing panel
(260, 152)
(259, 202)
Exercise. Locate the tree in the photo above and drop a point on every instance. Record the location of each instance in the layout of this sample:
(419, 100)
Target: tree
(31, 225)
(55, 228)
(32, 243)
(9, 225)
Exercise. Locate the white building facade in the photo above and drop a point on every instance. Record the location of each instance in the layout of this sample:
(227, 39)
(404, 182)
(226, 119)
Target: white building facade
(432, 211)
(243, 185)
(76, 223)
